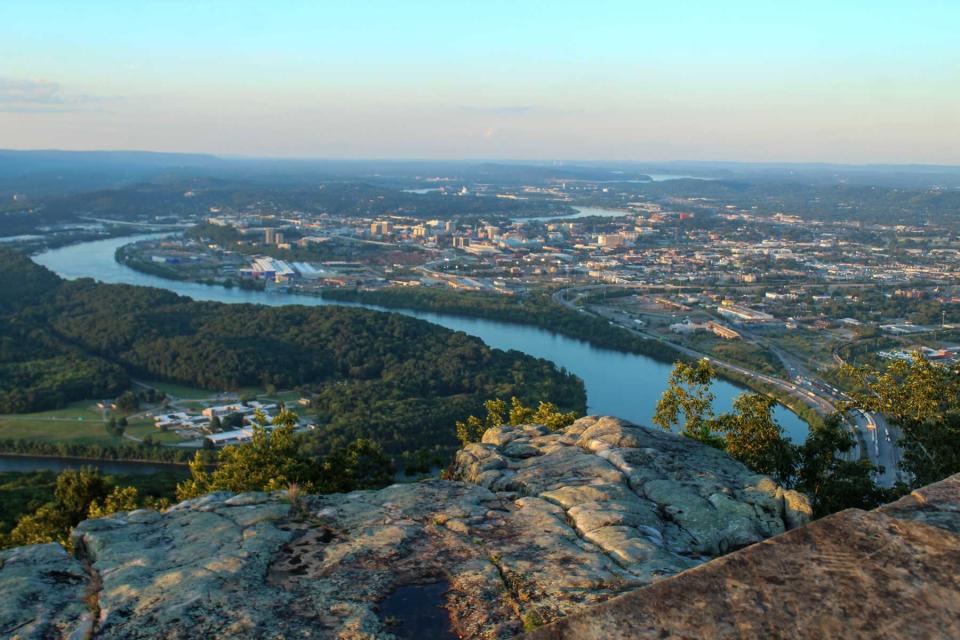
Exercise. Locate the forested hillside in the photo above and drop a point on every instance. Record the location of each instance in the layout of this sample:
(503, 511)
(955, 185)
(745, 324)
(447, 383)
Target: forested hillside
(396, 379)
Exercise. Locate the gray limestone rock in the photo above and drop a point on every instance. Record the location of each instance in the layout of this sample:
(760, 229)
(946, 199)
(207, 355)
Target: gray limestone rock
(43, 594)
(537, 522)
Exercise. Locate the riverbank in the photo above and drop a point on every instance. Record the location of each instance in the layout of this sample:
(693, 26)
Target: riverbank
(617, 382)
(51, 456)
(537, 310)
(545, 314)
(125, 451)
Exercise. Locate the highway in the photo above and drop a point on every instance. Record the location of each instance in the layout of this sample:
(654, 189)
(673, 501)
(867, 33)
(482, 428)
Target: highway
(883, 449)
(623, 320)
(875, 438)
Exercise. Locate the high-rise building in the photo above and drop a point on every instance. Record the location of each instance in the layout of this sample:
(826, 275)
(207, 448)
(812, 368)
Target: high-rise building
(381, 228)
(269, 236)
(610, 240)
(278, 238)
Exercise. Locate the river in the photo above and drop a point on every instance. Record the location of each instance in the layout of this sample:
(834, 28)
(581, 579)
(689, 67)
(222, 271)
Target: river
(581, 212)
(111, 467)
(620, 384)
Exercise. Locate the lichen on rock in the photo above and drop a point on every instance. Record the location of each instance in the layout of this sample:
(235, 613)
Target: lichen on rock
(537, 525)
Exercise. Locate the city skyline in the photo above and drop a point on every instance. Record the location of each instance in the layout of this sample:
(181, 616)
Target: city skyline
(858, 83)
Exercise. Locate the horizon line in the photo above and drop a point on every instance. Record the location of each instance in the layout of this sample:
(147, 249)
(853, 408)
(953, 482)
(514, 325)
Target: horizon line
(494, 159)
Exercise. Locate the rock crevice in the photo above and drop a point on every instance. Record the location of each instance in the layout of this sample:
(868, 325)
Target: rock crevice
(537, 525)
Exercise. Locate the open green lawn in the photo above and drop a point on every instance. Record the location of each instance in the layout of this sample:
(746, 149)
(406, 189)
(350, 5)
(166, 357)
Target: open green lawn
(287, 397)
(196, 405)
(86, 409)
(30, 427)
(739, 352)
(183, 392)
(140, 428)
(78, 422)
(179, 390)
(83, 423)
(806, 344)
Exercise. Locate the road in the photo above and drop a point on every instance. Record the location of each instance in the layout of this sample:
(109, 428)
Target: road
(882, 438)
(145, 225)
(625, 321)
(875, 438)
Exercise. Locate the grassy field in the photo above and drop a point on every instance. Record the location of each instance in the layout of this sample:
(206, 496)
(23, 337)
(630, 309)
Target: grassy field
(80, 422)
(179, 390)
(738, 352)
(183, 392)
(813, 347)
(141, 428)
(83, 423)
(288, 397)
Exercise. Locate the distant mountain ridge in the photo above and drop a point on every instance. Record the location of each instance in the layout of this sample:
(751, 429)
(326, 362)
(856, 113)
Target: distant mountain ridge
(41, 173)
(22, 161)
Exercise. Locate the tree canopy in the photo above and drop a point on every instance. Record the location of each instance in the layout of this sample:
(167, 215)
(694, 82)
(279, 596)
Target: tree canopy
(820, 467)
(923, 398)
(369, 375)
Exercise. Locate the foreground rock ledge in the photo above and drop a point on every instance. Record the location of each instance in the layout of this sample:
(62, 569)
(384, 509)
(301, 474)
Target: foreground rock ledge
(539, 525)
(889, 573)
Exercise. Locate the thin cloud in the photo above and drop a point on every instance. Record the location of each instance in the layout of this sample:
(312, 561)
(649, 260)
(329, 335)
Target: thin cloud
(506, 110)
(41, 96)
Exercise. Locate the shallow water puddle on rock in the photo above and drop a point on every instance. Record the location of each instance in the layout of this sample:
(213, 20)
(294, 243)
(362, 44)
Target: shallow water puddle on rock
(416, 612)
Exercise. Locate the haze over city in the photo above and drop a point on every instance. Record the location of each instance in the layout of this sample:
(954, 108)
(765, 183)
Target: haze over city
(852, 82)
(423, 320)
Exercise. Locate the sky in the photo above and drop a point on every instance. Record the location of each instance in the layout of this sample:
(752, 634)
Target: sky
(773, 80)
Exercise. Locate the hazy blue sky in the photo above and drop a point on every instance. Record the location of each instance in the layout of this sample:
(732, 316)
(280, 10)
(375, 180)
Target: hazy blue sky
(840, 80)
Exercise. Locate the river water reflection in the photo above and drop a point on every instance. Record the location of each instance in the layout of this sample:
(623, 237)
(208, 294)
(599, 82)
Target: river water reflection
(620, 384)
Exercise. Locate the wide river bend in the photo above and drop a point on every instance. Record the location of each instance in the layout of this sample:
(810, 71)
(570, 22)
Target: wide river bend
(620, 384)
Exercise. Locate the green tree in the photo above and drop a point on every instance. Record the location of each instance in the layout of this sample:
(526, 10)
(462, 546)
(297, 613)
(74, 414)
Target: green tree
(753, 437)
(232, 421)
(77, 488)
(519, 414)
(46, 524)
(120, 499)
(271, 460)
(550, 416)
(496, 409)
(128, 402)
(362, 464)
(472, 429)
(547, 414)
(832, 481)
(688, 395)
(923, 398)
(73, 494)
(819, 467)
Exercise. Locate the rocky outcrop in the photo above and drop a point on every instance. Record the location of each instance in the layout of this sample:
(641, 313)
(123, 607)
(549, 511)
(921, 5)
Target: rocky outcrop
(646, 497)
(44, 593)
(536, 526)
(889, 573)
